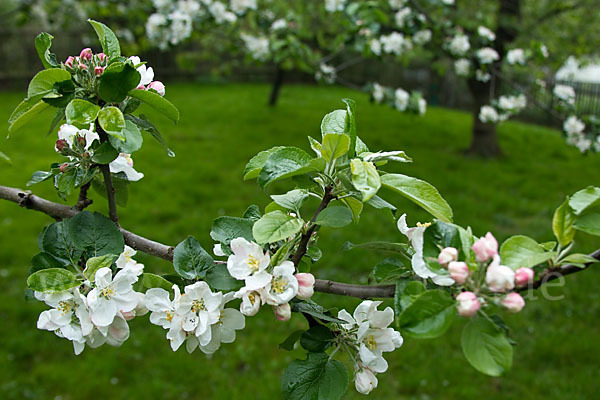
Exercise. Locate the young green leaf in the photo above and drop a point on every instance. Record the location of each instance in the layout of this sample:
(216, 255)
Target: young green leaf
(292, 200)
(105, 153)
(117, 80)
(421, 193)
(365, 178)
(26, 111)
(562, 224)
(148, 281)
(39, 176)
(522, 251)
(95, 234)
(52, 280)
(276, 226)
(218, 278)
(334, 122)
(585, 200)
(190, 260)
(133, 139)
(334, 216)
(157, 102)
(108, 40)
(93, 264)
(81, 113)
(350, 127)
(44, 83)
(286, 163)
(589, 223)
(147, 126)
(429, 316)
(257, 162)
(318, 338)
(43, 42)
(486, 347)
(225, 229)
(112, 121)
(334, 146)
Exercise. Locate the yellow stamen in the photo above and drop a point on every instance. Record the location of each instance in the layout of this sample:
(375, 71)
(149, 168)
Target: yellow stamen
(279, 284)
(198, 305)
(253, 263)
(108, 292)
(371, 342)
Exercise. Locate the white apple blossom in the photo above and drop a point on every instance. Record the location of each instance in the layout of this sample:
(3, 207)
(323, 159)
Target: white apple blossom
(401, 98)
(283, 285)
(218, 250)
(220, 13)
(573, 125)
(334, 5)
(249, 263)
(419, 266)
(378, 93)
(422, 37)
(565, 93)
(482, 76)
(251, 302)
(422, 106)
(112, 295)
(279, 24)
(146, 73)
(124, 164)
(402, 16)
(375, 46)
(199, 308)
(459, 45)
(126, 258)
(462, 67)
(70, 132)
(257, 46)
(394, 43)
(516, 56)
(241, 6)
(326, 73)
(488, 114)
(486, 33)
(223, 330)
(396, 4)
(499, 278)
(487, 55)
(283, 312)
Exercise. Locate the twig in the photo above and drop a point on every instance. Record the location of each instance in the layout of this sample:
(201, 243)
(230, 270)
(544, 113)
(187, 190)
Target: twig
(61, 211)
(110, 189)
(302, 247)
(83, 201)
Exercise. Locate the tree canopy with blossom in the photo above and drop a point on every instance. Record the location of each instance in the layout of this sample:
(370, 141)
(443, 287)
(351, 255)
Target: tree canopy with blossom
(87, 275)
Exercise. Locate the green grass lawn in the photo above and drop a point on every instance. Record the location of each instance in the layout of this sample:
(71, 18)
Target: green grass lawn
(221, 127)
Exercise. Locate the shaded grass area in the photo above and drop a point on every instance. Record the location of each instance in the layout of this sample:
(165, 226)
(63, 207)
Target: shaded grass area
(221, 127)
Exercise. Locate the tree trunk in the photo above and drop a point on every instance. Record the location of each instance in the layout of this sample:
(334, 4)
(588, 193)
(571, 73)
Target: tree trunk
(484, 142)
(277, 83)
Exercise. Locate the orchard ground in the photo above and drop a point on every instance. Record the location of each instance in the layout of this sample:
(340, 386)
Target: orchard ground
(221, 127)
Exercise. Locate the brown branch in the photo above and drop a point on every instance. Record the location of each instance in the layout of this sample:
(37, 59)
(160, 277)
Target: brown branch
(303, 246)
(83, 201)
(60, 211)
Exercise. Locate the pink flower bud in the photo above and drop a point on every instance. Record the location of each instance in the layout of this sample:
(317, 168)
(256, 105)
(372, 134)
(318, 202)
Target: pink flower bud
(98, 71)
(141, 87)
(468, 304)
(485, 248)
(81, 141)
(101, 56)
(63, 167)
(513, 302)
(158, 86)
(69, 62)
(86, 54)
(306, 286)
(61, 144)
(499, 278)
(523, 276)
(82, 67)
(447, 255)
(459, 271)
(283, 312)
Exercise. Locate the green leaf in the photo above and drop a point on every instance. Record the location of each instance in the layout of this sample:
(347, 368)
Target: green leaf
(365, 178)
(39, 176)
(406, 293)
(4, 157)
(190, 260)
(43, 42)
(313, 309)
(52, 280)
(350, 127)
(355, 205)
(112, 121)
(379, 203)
(81, 113)
(486, 347)
(104, 154)
(252, 213)
(334, 146)
(318, 338)
(58, 118)
(334, 216)
(65, 182)
(218, 278)
(522, 251)
(334, 122)
(93, 264)
(133, 139)
(287, 162)
(276, 226)
(585, 199)
(316, 378)
(389, 270)
(108, 40)
(397, 156)
(26, 111)
(360, 147)
(54, 240)
(121, 189)
(421, 193)
(157, 102)
(117, 80)
(148, 127)
(562, 224)
(257, 162)
(149, 281)
(94, 234)
(315, 145)
(589, 223)
(225, 229)
(44, 260)
(578, 258)
(395, 248)
(44, 83)
(429, 315)
(292, 200)
(290, 341)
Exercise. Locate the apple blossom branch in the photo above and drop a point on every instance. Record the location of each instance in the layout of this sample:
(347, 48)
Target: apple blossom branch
(60, 211)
